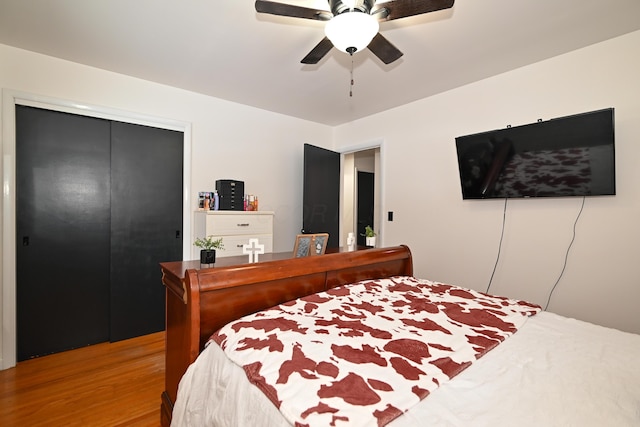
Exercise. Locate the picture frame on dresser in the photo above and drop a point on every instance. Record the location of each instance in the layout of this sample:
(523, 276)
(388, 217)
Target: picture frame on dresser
(319, 244)
(310, 245)
(302, 245)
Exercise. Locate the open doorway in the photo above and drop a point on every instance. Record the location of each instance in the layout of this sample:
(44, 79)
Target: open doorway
(350, 168)
(361, 193)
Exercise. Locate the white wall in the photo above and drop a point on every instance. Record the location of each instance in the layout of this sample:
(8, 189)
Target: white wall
(457, 241)
(229, 140)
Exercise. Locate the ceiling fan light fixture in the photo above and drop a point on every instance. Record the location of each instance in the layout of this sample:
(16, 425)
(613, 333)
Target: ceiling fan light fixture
(351, 31)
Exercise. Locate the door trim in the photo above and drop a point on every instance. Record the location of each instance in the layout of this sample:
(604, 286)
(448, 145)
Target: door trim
(11, 98)
(347, 197)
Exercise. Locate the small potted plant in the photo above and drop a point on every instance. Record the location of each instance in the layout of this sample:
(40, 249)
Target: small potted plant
(208, 246)
(370, 236)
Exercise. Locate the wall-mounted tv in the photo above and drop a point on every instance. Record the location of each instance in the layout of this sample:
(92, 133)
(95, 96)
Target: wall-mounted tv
(566, 156)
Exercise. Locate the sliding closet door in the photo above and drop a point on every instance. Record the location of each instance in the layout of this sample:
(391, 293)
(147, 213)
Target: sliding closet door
(62, 231)
(146, 224)
(99, 206)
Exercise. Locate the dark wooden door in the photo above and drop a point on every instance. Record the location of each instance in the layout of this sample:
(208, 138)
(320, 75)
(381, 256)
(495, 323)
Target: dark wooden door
(146, 224)
(365, 204)
(321, 193)
(62, 231)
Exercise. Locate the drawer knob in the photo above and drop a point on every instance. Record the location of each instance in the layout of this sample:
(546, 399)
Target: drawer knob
(246, 224)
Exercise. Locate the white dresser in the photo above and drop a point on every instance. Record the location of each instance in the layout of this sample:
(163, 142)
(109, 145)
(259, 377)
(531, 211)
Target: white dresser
(235, 228)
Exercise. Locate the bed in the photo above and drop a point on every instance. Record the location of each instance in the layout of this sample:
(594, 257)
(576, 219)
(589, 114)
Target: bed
(525, 368)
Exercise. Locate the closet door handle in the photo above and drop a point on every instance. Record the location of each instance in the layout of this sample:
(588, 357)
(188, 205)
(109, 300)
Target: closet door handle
(178, 234)
(25, 240)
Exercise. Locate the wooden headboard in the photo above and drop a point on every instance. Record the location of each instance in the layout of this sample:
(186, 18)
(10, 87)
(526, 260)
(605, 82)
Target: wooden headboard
(202, 301)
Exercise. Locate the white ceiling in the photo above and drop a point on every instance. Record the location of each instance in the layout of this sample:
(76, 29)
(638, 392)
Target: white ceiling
(225, 49)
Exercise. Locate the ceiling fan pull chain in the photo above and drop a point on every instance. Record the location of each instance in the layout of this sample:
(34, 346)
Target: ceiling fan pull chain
(351, 86)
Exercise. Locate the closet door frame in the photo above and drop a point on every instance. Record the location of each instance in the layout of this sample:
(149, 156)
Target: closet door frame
(11, 98)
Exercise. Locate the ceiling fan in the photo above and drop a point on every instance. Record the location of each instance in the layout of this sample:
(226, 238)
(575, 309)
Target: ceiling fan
(352, 25)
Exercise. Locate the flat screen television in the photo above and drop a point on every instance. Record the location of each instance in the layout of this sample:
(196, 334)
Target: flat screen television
(566, 156)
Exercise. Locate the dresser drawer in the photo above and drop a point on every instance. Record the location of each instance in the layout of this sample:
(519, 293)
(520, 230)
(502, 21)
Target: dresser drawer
(225, 225)
(235, 228)
(233, 244)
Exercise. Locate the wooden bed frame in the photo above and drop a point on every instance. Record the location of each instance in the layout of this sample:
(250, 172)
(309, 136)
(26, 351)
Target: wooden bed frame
(201, 301)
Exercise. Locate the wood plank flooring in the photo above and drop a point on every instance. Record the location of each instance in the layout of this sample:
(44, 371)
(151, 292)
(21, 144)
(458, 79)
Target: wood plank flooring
(109, 384)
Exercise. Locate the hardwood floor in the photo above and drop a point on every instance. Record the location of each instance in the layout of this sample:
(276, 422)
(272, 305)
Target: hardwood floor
(109, 384)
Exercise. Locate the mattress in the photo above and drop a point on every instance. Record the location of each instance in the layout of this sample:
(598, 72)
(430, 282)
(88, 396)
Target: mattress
(555, 371)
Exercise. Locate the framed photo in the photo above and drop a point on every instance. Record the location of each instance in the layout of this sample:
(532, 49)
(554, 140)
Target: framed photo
(310, 244)
(302, 246)
(319, 243)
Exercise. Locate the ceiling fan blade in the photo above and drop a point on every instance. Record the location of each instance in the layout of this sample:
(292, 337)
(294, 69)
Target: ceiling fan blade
(318, 52)
(281, 9)
(383, 49)
(396, 9)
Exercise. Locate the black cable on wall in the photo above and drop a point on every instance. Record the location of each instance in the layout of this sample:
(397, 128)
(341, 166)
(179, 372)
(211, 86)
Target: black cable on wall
(566, 257)
(504, 217)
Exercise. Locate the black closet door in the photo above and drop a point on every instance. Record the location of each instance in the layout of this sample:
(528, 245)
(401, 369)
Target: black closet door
(146, 224)
(62, 231)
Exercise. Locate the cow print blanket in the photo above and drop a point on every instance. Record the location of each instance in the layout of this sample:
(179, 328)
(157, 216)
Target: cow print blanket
(362, 354)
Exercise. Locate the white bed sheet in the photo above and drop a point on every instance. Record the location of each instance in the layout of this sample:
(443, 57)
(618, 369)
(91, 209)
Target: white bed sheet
(555, 371)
